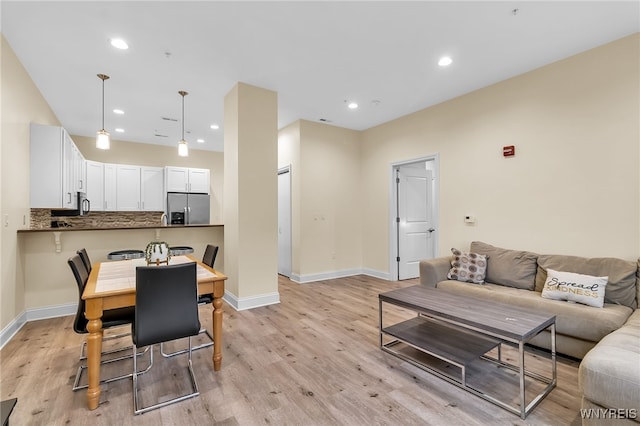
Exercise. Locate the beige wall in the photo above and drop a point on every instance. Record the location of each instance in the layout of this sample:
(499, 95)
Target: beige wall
(289, 155)
(22, 103)
(251, 196)
(573, 186)
(123, 152)
(48, 279)
(326, 201)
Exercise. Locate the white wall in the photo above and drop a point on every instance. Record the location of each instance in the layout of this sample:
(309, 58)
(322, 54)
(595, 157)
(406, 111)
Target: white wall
(573, 186)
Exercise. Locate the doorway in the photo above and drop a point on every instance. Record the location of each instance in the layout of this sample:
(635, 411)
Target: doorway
(414, 216)
(284, 221)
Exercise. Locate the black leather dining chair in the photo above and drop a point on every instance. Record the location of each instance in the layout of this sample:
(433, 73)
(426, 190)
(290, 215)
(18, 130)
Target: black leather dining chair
(209, 258)
(166, 309)
(110, 318)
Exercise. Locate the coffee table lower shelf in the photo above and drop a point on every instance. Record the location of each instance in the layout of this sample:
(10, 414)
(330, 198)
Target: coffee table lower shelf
(460, 347)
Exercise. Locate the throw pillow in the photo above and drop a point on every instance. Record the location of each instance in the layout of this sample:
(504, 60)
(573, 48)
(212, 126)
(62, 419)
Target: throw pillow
(467, 267)
(511, 268)
(572, 287)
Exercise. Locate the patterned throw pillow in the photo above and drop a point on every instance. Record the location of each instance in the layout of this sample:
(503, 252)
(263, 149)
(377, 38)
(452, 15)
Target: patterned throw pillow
(467, 267)
(573, 287)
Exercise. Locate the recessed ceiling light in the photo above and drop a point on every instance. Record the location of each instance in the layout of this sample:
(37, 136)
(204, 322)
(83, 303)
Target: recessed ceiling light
(118, 43)
(200, 140)
(445, 61)
(215, 126)
(352, 105)
(118, 111)
(120, 130)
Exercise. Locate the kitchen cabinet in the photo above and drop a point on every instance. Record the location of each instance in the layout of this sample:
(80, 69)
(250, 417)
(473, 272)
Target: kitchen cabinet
(51, 170)
(152, 188)
(79, 171)
(110, 198)
(127, 188)
(95, 185)
(123, 187)
(184, 179)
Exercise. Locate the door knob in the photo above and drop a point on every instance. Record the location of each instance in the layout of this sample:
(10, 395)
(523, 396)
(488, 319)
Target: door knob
(431, 229)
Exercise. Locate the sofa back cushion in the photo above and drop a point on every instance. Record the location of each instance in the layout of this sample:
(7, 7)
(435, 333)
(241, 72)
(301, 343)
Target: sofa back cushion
(511, 268)
(621, 288)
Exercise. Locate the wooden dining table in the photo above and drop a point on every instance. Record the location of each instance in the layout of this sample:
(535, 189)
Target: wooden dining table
(112, 285)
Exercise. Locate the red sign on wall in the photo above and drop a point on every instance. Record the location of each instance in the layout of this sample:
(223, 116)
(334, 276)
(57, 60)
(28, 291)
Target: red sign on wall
(509, 151)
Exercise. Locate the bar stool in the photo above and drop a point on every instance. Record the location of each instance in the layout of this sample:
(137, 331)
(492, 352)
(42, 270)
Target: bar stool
(180, 250)
(125, 255)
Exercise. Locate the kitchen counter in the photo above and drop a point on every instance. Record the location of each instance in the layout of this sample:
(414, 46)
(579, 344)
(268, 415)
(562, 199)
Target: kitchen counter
(116, 228)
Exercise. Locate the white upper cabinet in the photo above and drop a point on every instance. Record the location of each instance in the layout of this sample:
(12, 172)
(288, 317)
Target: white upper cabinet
(199, 181)
(51, 168)
(80, 168)
(95, 185)
(177, 179)
(151, 188)
(128, 188)
(184, 179)
(110, 198)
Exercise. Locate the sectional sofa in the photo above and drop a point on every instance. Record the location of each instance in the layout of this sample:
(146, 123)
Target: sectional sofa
(606, 338)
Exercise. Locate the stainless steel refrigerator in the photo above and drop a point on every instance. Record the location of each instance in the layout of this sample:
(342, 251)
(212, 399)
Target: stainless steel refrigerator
(187, 209)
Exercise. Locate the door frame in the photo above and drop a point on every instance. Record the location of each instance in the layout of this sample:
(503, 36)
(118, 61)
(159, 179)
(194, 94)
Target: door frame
(281, 171)
(393, 208)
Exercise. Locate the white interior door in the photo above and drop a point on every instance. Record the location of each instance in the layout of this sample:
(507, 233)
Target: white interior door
(415, 227)
(284, 222)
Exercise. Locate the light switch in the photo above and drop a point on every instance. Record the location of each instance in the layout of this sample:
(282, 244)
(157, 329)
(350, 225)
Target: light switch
(469, 219)
(6, 220)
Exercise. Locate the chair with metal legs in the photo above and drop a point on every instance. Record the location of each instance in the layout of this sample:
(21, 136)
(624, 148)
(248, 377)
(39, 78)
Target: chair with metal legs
(166, 309)
(110, 318)
(209, 258)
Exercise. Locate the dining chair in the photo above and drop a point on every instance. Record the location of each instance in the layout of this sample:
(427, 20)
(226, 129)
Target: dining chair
(110, 318)
(85, 259)
(208, 259)
(166, 309)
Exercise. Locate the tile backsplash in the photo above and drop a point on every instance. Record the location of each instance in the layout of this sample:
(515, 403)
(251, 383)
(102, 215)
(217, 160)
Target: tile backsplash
(41, 219)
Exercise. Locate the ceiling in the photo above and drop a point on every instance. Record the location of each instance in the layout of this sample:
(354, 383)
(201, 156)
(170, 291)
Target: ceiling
(316, 55)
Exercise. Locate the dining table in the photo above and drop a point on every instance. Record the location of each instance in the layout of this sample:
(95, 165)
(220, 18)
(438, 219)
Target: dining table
(112, 285)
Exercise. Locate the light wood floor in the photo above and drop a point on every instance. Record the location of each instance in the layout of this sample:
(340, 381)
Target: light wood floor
(313, 359)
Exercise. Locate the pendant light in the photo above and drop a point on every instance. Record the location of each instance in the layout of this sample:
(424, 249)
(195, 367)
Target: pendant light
(103, 139)
(183, 148)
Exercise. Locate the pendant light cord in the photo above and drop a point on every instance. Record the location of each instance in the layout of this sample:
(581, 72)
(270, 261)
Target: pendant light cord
(102, 104)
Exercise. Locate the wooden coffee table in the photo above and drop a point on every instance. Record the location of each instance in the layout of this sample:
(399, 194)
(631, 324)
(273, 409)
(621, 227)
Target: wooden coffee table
(460, 330)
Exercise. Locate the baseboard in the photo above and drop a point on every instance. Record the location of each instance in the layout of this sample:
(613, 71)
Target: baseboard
(12, 328)
(33, 315)
(377, 274)
(51, 312)
(241, 304)
(309, 278)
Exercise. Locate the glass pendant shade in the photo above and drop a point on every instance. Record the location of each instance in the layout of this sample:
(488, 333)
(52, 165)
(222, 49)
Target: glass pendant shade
(103, 140)
(183, 148)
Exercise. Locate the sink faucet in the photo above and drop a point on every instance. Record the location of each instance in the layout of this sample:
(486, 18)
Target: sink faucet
(164, 219)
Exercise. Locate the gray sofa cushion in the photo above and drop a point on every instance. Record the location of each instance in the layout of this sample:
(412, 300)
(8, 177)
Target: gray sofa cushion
(572, 319)
(621, 288)
(609, 374)
(511, 268)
